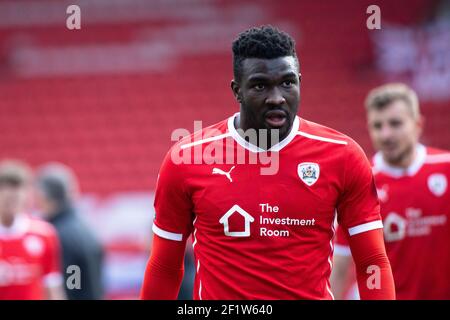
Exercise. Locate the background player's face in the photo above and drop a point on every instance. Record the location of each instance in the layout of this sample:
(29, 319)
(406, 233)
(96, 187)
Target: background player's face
(269, 93)
(394, 131)
(13, 199)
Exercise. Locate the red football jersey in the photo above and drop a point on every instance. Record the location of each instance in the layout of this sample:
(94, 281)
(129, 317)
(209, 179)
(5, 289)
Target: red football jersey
(259, 235)
(415, 207)
(29, 259)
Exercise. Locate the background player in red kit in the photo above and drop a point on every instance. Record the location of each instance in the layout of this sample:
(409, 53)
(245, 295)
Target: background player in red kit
(412, 182)
(261, 235)
(29, 251)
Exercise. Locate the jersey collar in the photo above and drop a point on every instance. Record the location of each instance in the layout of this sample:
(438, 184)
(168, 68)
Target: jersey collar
(251, 147)
(382, 166)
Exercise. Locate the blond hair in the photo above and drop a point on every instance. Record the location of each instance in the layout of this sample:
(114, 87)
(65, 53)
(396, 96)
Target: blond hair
(382, 96)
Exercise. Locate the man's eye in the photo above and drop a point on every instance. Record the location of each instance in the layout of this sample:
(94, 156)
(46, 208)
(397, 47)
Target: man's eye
(395, 124)
(288, 83)
(376, 126)
(259, 87)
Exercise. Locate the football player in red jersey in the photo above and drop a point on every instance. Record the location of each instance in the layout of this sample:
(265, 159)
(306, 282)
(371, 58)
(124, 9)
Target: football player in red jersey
(412, 183)
(29, 250)
(265, 234)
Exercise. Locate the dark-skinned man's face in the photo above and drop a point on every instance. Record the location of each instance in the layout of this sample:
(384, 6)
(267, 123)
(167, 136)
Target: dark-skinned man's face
(269, 94)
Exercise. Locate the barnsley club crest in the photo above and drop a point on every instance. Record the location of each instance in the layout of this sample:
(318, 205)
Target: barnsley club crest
(437, 183)
(308, 172)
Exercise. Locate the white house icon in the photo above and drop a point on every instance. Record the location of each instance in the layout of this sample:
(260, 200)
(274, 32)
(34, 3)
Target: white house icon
(248, 218)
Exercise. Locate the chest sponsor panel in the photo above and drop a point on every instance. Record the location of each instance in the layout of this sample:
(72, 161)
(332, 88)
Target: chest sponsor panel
(263, 206)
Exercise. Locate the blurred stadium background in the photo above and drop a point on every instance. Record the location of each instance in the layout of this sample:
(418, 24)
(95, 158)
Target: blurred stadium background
(105, 99)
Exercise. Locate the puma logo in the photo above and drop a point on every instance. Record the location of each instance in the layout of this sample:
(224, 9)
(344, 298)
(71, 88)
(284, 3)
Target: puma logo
(227, 174)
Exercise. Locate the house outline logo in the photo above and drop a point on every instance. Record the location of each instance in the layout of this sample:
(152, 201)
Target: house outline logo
(248, 219)
(391, 220)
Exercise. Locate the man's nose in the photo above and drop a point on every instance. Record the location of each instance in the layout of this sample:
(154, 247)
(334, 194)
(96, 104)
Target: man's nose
(385, 132)
(275, 97)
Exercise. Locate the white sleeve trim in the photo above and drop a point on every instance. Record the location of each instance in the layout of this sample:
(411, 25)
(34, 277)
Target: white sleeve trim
(166, 234)
(342, 250)
(53, 279)
(378, 224)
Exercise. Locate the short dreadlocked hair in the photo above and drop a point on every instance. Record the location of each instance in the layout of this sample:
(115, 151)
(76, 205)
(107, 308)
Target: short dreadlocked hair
(265, 42)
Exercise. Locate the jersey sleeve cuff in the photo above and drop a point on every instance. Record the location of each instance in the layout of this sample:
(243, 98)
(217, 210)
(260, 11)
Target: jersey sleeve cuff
(166, 234)
(378, 224)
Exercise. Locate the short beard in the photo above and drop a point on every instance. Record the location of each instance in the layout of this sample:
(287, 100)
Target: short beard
(398, 161)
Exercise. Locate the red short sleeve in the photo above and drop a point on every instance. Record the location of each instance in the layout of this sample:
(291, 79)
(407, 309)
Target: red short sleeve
(341, 246)
(341, 237)
(173, 205)
(358, 207)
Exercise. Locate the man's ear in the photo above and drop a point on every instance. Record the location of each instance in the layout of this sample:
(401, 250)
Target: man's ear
(236, 90)
(299, 77)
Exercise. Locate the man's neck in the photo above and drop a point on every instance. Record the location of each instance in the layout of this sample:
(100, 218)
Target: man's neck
(240, 123)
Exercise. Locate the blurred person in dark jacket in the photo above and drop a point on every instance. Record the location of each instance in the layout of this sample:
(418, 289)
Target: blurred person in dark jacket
(56, 190)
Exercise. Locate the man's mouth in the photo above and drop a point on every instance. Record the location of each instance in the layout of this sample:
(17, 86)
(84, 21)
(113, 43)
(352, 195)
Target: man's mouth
(275, 118)
(389, 147)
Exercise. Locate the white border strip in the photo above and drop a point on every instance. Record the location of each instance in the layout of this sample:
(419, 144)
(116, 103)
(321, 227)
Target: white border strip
(166, 234)
(378, 224)
(438, 158)
(311, 136)
(195, 143)
(330, 257)
(197, 276)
